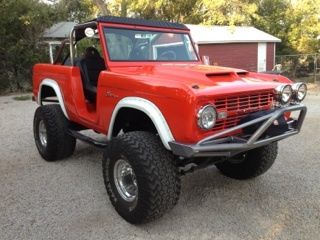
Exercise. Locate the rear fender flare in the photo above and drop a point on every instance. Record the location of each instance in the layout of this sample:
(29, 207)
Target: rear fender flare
(151, 110)
(54, 85)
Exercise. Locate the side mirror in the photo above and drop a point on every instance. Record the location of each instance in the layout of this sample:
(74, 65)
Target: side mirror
(206, 60)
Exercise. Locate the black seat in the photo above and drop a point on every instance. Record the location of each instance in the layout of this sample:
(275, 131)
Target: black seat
(90, 67)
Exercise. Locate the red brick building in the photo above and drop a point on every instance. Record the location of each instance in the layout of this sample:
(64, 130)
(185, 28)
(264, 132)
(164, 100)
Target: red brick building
(239, 47)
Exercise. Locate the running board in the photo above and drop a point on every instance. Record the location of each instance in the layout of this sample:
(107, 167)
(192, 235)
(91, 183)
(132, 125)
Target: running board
(87, 139)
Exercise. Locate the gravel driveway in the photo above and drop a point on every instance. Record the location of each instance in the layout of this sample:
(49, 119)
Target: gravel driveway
(67, 199)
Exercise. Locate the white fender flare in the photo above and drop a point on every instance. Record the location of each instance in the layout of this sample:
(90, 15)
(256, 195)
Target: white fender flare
(54, 85)
(151, 110)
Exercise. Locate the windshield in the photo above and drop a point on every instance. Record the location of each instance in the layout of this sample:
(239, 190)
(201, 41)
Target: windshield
(140, 45)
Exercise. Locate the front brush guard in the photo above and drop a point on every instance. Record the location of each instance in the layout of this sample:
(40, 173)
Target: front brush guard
(218, 145)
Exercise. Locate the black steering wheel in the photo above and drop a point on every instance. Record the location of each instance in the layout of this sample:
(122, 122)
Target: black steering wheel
(168, 55)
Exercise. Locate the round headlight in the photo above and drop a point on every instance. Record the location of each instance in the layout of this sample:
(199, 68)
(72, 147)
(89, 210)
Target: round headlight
(300, 91)
(207, 117)
(284, 93)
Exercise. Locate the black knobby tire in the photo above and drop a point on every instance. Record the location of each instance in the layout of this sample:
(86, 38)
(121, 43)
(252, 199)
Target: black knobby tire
(254, 163)
(156, 174)
(59, 143)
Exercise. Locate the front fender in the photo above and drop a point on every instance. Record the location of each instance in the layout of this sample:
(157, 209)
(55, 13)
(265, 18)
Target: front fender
(151, 110)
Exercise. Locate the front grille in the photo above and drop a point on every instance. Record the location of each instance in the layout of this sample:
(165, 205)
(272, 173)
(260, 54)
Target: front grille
(240, 106)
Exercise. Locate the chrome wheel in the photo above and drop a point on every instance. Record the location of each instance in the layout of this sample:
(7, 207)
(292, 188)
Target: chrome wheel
(125, 180)
(43, 134)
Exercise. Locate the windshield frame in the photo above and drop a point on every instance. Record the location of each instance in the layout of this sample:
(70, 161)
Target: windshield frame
(104, 26)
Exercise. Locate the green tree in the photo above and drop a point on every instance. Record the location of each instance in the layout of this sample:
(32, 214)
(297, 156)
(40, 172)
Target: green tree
(296, 23)
(75, 10)
(101, 5)
(272, 18)
(228, 12)
(170, 10)
(304, 26)
(22, 23)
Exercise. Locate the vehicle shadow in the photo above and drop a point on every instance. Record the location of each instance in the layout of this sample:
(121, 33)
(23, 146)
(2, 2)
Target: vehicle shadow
(210, 202)
(211, 206)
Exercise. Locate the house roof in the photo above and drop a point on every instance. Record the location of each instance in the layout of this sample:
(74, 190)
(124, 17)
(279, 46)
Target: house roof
(201, 34)
(228, 34)
(59, 30)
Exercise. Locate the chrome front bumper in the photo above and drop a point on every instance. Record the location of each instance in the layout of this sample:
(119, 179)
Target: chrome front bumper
(218, 145)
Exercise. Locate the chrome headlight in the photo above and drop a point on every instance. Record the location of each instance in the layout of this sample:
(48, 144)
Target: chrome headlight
(300, 91)
(207, 117)
(284, 93)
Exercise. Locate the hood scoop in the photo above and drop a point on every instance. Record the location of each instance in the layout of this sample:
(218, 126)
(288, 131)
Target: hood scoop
(219, 74)
(242, 74)
(227, 74)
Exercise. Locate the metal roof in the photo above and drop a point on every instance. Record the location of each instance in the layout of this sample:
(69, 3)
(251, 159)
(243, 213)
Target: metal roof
(228, 34)
(142, 22)
(59, 30)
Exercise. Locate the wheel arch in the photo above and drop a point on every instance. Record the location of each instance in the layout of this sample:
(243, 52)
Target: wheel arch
(46, 88)
(150, 110)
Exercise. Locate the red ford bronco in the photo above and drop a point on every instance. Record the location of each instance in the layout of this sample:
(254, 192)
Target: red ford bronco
(142, 84)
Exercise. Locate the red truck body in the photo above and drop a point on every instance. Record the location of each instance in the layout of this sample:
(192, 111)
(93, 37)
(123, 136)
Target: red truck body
(178, 89)
(164, 112)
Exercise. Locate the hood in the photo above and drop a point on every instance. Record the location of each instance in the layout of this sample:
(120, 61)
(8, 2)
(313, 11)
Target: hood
(204, 79)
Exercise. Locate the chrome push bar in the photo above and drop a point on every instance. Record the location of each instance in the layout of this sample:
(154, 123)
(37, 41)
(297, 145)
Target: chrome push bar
(218, 145)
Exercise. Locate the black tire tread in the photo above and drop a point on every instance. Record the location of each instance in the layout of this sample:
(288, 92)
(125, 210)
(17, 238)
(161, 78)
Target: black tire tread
(257, 162)
(157, 171)
(60, 144)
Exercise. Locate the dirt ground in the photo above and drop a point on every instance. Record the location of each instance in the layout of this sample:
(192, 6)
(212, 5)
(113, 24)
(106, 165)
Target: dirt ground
(67, 199)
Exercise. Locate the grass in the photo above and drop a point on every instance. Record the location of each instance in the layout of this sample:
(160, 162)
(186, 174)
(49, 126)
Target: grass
(22, 98)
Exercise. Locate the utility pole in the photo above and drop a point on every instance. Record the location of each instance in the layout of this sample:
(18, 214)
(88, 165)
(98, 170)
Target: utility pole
(315, 67)
(316, 63)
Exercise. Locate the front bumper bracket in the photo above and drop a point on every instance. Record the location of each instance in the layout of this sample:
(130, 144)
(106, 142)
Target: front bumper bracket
(219, 145)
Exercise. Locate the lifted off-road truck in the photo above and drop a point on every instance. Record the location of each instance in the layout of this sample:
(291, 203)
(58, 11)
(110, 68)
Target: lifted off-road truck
(142, 84)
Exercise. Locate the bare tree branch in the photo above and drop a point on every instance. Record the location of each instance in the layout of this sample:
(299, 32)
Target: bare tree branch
(102, 6)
